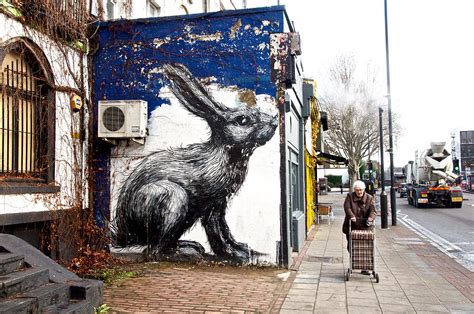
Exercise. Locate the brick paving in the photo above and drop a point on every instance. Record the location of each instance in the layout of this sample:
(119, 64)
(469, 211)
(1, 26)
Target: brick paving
(199, 289)
(415, 277)
(459, 276)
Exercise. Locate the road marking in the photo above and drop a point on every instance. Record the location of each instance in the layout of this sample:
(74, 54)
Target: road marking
(466, 259)
(401, 215)
(441, 243)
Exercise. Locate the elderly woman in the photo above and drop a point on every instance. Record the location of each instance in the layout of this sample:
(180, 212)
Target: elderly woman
(358, 204)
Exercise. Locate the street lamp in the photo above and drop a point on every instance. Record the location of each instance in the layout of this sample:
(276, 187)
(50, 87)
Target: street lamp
(383, 194)
(393, 204)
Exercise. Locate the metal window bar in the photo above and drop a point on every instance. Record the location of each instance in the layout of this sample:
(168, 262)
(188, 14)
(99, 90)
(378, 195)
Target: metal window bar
(9, 97)
(25, 110)
(15, 109)
(21, 116)
(22, 128)
(31, 98)
(38, 161)
(3, 120)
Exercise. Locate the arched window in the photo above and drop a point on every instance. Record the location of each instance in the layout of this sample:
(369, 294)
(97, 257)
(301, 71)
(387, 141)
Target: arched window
(26, 109)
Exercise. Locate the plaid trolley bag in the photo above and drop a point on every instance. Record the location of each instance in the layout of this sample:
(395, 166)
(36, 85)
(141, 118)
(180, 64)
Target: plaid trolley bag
(362, 251)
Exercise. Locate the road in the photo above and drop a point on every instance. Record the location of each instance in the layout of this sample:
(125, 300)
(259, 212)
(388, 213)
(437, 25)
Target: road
(450, 229)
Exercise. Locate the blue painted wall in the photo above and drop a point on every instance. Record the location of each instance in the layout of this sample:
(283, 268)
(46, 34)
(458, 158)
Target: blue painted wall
(232, 46)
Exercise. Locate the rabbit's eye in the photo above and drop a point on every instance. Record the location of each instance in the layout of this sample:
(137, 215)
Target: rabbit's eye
(242, 120)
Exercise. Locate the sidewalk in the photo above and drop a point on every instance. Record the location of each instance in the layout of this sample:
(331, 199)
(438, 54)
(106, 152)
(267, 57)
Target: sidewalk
(415, 277)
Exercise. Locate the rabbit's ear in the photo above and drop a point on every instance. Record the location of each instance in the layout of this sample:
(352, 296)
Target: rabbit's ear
(191, 93)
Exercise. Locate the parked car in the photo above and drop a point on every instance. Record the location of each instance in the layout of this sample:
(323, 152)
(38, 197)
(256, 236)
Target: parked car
(402, 190)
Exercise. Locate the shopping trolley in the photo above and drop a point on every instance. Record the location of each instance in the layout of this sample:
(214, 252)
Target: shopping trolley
(362, 249)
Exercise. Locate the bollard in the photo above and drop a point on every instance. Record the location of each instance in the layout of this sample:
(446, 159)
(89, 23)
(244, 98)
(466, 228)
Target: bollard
(393, 205)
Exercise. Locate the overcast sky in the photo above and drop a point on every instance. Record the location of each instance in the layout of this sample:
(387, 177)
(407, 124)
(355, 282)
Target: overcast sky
(431, 58)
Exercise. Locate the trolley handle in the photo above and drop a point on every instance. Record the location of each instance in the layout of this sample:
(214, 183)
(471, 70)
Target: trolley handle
(368, 223)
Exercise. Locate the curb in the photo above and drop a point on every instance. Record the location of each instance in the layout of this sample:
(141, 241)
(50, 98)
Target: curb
(285, 288)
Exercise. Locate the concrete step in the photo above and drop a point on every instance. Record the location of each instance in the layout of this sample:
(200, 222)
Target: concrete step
(22, 281)
(36, 300)
(26, 305)
(10, 262)
(22, 291)
(49, 294)
(80, 307)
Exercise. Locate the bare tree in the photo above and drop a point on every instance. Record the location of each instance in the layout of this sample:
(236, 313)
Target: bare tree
(352, 106)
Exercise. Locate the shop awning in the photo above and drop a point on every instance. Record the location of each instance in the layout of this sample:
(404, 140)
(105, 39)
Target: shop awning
(325, 158)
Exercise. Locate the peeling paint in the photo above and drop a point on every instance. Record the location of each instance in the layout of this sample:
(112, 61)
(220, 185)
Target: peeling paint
(136, 45)
(217, 36)
(208, 80)
(279, 54)
(248, 96)
(205, 45)
(261, 70)
(157, 42)
(235, 28)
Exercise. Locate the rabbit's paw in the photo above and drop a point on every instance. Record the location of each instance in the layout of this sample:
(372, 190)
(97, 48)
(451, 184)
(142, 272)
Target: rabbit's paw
(245, 247)
(185, 251)
(190, 248)
(241, 253)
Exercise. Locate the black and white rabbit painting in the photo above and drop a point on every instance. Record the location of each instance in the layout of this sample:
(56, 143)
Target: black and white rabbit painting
(172, 189)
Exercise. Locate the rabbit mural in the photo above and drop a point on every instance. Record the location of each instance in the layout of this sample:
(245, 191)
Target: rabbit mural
(170, 190)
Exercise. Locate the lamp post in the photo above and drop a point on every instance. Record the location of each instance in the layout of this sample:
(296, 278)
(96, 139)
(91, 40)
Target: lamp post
(393, 204)
(383, 195)
(369, 165)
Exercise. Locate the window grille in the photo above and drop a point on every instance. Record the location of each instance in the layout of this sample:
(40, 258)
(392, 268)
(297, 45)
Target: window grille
(23, 113)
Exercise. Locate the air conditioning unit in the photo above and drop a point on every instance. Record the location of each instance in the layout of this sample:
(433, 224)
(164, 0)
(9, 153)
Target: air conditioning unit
(122, 119)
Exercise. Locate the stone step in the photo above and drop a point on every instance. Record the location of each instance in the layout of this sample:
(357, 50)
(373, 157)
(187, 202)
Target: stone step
(80, 307)
(36, 300)
(10, 262)
(49, 294)
(26, 305)
(22, 281)
(36, 271)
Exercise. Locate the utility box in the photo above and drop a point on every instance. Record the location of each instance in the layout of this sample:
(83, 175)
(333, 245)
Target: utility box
(299, 230)
(122, 119)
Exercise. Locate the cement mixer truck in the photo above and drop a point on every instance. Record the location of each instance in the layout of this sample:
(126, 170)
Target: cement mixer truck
(430, 179)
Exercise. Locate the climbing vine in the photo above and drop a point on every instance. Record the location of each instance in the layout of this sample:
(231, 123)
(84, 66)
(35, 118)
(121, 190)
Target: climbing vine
(62, 30)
